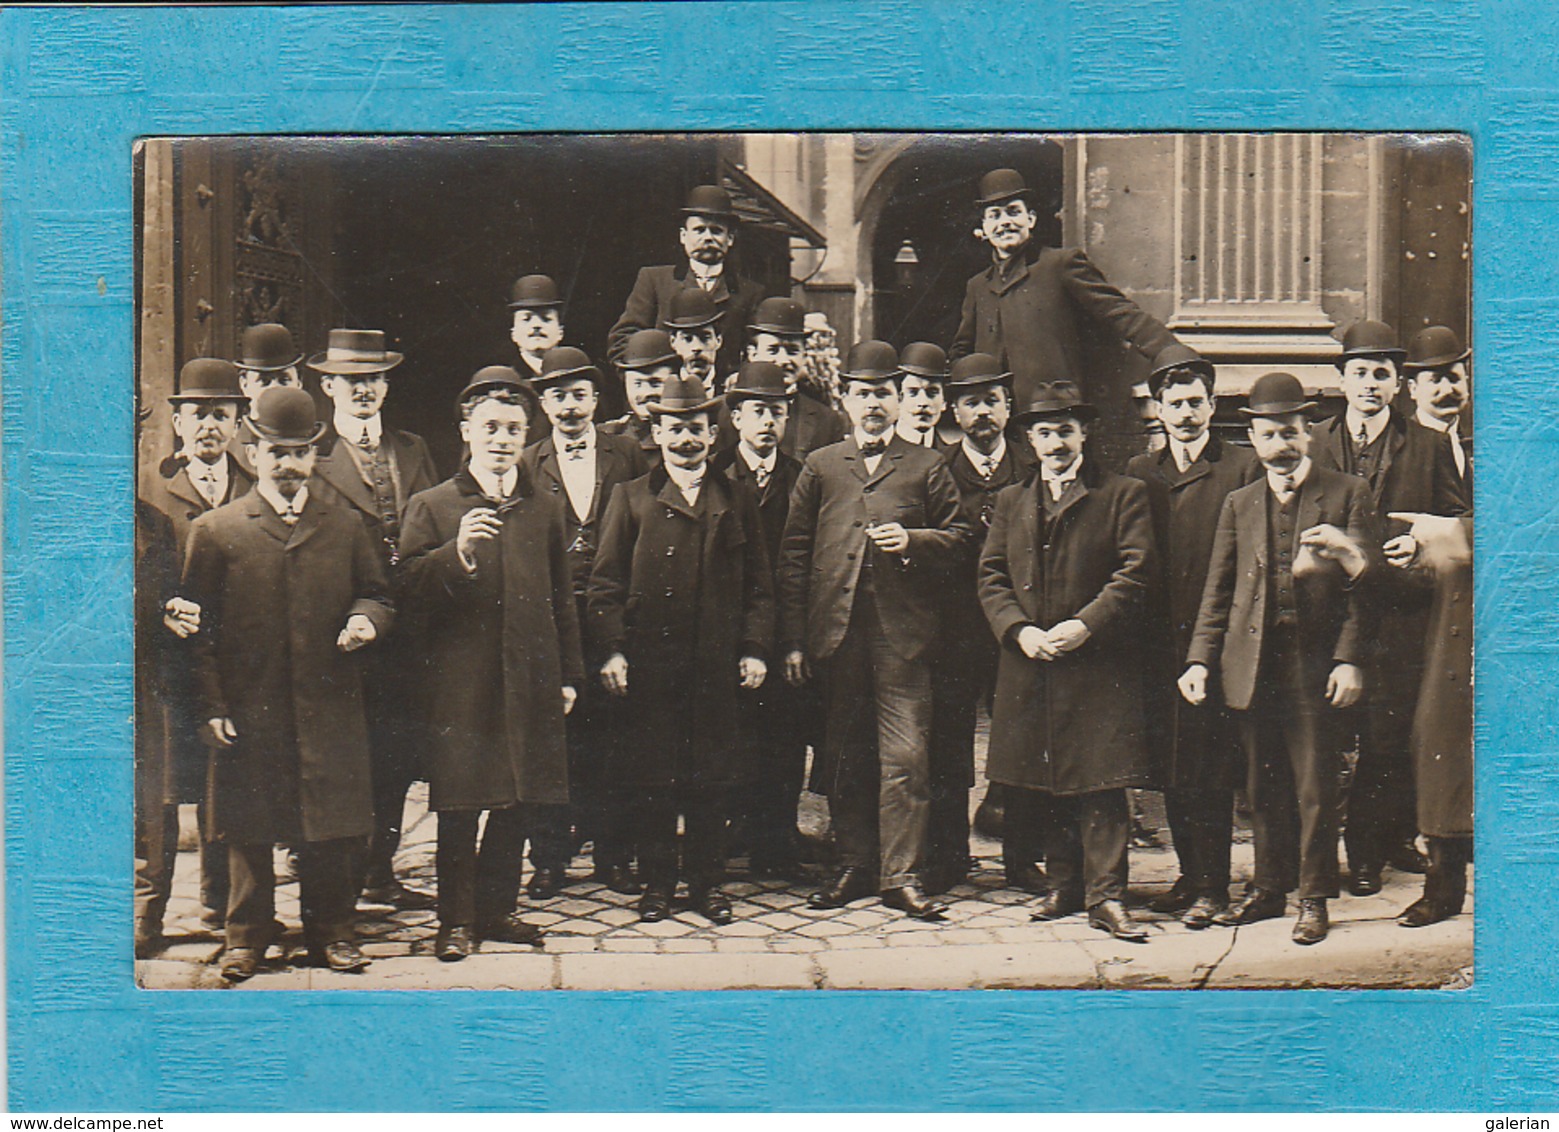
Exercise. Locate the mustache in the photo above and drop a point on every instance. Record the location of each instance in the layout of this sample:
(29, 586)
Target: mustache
(1448, 399)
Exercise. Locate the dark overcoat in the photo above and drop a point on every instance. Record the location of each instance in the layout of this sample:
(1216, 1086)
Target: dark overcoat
(1029, 313)
(735, 295)
(273, 601)
(497, 645)
(1076, 724)
(618, 459)
(1442, 727)
(683, 593)
(639, 432)
(156, 580)
(1191, 746)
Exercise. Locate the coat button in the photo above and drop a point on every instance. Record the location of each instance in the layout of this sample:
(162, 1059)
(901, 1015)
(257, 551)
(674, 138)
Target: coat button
(671, 514)
(850, 556)
(1028, 585)
(669, 593)
(670, 550)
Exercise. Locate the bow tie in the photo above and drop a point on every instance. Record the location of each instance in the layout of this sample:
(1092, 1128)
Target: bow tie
(575, 449)
(874, 448)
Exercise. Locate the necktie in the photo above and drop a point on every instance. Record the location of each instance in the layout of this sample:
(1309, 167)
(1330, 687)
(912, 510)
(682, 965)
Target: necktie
(761, 475)
(365, 441)
(874, 448)
(988, 467)
(575, 449)
(1285, 490)
(1363, 438)
(290, 515)
(206, 483)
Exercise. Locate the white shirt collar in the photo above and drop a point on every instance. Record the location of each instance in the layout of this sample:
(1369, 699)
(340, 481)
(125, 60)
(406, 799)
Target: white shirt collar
(278, 503)
(495, 487)
(688, 480)
(1373, 426)
(1295, 478)
(1184, 455)
(705, 273)
(910, 433)
(1448, 427)
(353, 429)
(217, 473)
(980, 460)
(755, 461)
(1059, 481)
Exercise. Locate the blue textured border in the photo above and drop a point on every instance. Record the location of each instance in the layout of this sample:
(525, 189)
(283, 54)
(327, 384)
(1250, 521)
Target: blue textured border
(79, 86)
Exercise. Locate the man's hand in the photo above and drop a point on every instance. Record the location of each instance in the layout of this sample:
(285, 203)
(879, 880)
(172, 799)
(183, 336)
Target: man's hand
(1036, 643)
(1401, 551)
(753, 671)
(1345, 685)
(890, 538)
(221, 731)
(570, 697)
(359, 631)
(1193, 684)
(1328, 541)
(181, 617)
(1068, 635)
(614, 674)
(476, 525)
(1441, 540)
(797, 672)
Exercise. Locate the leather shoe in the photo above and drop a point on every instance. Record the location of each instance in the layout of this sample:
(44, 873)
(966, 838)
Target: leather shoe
(1424, 911)
(510, 929)
(1055, 905)
(654, 906)
(1312, 925)
(713, 905)
(1364, 880)
(1179, 897)
(1204, 912)
(240, 963)
(1257, 904)
(618, 878)
(1405, 858)
(1026, 876)
(1111, 916)
(342, 955)
(453, 944)
(394, 894)
(546, 883)
(912, 902)
(850, 884)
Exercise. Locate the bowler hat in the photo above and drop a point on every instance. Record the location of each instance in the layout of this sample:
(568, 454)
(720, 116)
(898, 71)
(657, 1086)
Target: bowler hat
(1177, 356)
(924, 360)
(763, 381)
(268, 347)
(1001, 185)
(871, 360)
(1055, 399)
(500, 377)
(779, 316)
(564, 363)
(531, 292)
(1434, 347)
(1367, 338)
(972, 371)
(208, 379)
(691, 308)
(709, 200)
(1276, 395)
(646, 349)
(355, 351)
(682, 396)
(284, 414)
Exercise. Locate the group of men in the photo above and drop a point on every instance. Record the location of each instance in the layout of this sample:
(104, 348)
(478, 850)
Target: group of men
(631, 633)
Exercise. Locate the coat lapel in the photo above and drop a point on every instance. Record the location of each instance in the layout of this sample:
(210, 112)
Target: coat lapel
(340, 471)
(263, 513)
(182, 487)
(671, 495)
(309, 520)
(1311, 499)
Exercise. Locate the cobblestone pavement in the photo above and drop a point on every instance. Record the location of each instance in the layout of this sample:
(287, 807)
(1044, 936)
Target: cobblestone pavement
(594, 940)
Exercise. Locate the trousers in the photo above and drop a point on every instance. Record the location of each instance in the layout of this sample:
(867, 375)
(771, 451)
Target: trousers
(1087, 840)
(327, 891)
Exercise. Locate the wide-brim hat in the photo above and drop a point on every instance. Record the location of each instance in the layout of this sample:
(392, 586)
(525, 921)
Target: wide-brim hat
(691, 308)
(1434, 347)
(871, 360)
(1276, 395)
(1055, 399)
(780, 316)
(565, 363)
(710, 200)
(683, 396)
(208, 379)
(1368, 338)
(975, 371)
(1001, 185)
(355, 351)
(925, 359)
(285, 414)
(757, 381)
(1178, 356)
(268, 347)
(646, 349)
(500, 377)
(534, 292)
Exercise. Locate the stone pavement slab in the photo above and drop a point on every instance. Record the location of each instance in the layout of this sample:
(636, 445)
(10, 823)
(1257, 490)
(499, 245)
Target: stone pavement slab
(720, 971)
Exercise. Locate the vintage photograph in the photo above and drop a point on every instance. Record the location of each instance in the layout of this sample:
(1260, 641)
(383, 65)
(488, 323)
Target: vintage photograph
(804, 561)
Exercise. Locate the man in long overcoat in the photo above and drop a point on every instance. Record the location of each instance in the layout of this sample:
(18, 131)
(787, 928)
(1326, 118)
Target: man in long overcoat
(291, 586)
(1064, 579)
(681, 604)
(1195, 748)
(485, 573)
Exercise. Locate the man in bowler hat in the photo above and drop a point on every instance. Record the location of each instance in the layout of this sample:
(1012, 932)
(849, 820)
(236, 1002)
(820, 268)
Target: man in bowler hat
(267, 357)
(647, 363)
(1438, 379)
(1029, 307)
(874, 523)
(778, 334)
(290, 583)
(1284, 622)
(923, 390)
(695, 325)
(536, 320)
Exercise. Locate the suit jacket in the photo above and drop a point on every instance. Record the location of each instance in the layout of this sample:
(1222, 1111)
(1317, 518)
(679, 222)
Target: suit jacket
(810, 426)
(1335, 620)
(773, 498)
(1030, 316)
(825, 546)
(735, 295)
(618, 459)
(413, 463)
(639, 431)
(177, 498)
(1418, 469)
(273, 600)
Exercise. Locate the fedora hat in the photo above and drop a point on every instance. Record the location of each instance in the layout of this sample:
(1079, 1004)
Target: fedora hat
(268, 347)
(646, 349)
(762, 381)
(709, 200)
(208, 379)
(1055, 399)
(1367, 338)
(780, 316)
(564, 363)
(683, 396)
(531, 292)
(924, 360)
(1276, 395)
(500, 377)
(284, 414)
(1434, 347)
(1001, 185)
(355, 351)
(871, 360)
(972, 371)
(1178, 356)
(691, 308)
